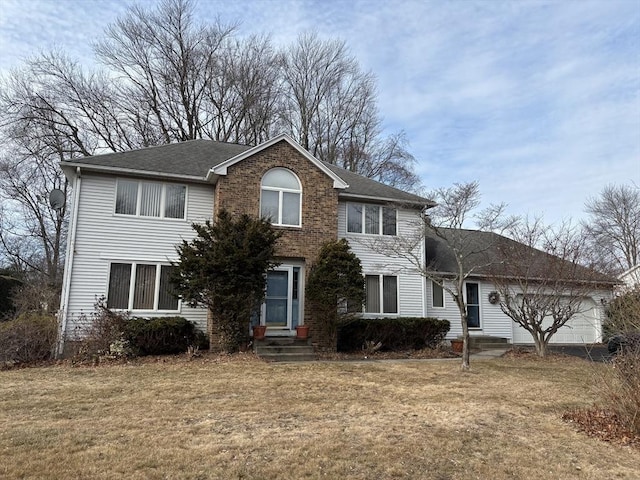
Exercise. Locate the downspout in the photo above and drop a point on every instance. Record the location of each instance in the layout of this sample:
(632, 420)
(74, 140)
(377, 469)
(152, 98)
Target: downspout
(66, 280)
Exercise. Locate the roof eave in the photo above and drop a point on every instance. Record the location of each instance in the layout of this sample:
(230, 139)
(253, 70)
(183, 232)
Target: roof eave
(69, 169)
(413, 203)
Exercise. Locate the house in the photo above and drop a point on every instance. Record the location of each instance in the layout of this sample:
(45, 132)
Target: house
(494, 259)
(131, 209)
(630, 278)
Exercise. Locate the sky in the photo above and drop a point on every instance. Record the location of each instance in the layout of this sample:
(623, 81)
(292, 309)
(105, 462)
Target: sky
(538, 101)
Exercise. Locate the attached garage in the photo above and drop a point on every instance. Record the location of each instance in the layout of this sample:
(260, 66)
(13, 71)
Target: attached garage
(583, 328)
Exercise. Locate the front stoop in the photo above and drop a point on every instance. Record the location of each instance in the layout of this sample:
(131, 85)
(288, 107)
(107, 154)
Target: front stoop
(284, 349)
(486, 342)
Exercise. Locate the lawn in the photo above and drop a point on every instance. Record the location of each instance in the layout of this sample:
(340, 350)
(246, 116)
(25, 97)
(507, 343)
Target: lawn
(245, 419)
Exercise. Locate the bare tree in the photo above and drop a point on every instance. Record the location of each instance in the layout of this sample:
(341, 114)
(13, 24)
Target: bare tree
(167, 62)
(614, 227)
(329, 106)
(388, 161)
(539, 282)
(32, 232)
(451, 253)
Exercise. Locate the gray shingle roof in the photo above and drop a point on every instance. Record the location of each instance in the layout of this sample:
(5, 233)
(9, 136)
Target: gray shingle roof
(194, 158)
(490, 254)
(360, 186)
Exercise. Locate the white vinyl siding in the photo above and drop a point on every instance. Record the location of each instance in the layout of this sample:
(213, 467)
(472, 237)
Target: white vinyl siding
(411, 286)
(104, 239)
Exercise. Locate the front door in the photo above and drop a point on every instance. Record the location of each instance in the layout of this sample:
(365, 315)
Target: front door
(281, 307)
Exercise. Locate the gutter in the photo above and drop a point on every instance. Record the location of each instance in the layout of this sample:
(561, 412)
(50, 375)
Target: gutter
(68, 267)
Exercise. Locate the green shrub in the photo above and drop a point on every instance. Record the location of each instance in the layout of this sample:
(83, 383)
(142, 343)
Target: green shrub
(161, 335)
(403, 333)
(29, 338)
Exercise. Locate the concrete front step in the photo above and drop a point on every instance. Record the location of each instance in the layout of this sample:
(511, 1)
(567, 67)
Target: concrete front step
(273, 349)
(288, 357)
(486, 342)
(284, 349)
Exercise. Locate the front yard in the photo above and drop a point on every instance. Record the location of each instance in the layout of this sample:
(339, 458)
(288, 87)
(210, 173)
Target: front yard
(245, 419)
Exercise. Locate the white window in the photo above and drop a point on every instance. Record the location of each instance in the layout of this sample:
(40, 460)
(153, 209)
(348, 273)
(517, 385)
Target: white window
(381, 294)
(150, 199)
(281, 197)
(371, 219)
(141, 286)
(437, 295)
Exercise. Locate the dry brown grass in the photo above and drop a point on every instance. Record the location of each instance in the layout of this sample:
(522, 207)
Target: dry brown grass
(338, 420)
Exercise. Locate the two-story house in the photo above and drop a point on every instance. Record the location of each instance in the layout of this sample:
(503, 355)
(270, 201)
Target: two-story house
(131, 209)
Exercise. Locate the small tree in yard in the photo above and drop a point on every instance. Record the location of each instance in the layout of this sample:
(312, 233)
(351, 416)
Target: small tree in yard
(452, 254)
(224, 268)
(335, 286)
(539, 282)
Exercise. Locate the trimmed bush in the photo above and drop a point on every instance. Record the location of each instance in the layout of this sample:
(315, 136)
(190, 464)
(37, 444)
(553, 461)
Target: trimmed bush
(162, 335)
(29, 338)
(404, 333)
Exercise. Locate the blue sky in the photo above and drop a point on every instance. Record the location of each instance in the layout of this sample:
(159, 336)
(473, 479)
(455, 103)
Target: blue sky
(537, 100)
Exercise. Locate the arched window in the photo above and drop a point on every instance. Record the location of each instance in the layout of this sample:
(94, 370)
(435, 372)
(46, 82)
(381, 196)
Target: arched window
(281, 197)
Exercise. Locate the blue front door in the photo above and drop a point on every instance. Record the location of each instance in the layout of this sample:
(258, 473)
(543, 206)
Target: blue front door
(282, 305)
(277, 304)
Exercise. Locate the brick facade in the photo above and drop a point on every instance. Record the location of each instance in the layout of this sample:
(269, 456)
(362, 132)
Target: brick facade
(239, 192)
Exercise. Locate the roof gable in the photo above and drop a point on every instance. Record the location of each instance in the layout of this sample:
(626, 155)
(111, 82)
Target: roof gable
(221, 169)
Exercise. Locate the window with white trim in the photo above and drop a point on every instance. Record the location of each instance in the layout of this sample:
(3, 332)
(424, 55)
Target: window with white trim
(437, 295)
(381, 294)
(281, 197)
(371, 219)
(150, 199)
(141, 286)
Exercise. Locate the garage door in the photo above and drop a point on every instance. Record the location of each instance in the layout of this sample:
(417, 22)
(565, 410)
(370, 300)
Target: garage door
(582, 328)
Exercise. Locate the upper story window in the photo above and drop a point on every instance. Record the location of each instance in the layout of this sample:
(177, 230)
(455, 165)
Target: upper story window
(150, 199)
(281, 197)
(371, 219)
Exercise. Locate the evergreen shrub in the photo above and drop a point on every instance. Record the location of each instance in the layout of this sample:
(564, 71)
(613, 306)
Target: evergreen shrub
(395, 334)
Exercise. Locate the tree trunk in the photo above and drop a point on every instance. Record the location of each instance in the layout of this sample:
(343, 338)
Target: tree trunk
(465, 336)
(541, 345)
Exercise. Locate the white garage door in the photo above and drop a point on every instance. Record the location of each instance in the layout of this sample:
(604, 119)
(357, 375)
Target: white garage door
(582, 328)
